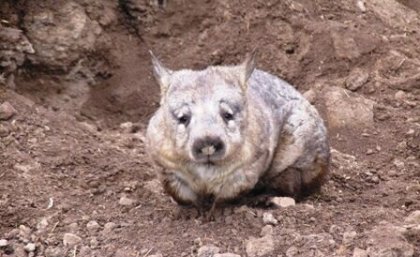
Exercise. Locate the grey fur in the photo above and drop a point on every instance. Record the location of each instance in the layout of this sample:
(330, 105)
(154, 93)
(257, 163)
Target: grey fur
(271, 135)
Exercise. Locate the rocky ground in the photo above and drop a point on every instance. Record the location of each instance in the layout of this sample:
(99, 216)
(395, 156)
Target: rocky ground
(76, 91)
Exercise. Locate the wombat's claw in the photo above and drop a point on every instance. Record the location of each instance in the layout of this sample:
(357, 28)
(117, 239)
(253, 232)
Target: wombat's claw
(210, 214)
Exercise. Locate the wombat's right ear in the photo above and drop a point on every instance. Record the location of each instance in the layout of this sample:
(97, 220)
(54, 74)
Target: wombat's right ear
(161, 73)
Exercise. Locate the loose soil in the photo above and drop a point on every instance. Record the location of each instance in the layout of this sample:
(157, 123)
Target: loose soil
(64, 157)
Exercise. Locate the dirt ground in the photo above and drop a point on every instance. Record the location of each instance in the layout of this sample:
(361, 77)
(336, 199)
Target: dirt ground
(75, 179)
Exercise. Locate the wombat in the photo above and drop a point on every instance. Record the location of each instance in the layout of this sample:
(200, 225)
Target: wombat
(223, 131)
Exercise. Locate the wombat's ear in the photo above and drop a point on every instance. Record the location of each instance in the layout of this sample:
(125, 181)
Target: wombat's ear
(247, 67)
(161, 73)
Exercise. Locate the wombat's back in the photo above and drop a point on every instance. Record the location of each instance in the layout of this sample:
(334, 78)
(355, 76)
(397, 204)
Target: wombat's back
(298, 135)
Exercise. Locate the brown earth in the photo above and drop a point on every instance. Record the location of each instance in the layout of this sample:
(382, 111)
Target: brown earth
(67, 166)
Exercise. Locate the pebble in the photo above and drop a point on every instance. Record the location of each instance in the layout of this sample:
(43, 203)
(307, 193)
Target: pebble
(410, 132)
(124, 200)
(359, 253)
(6, 111)
(127, 127)
(269, 219)
(267, 230)
(369, 152)
(257, 247)
(93, 226)
(356, 79)
(30, 247)
(198, 241)
(4, 131)
(94, 243)
(71, 240)
(207, 251)
(292, 251)
(413, 218)
(4, 243)
(400, 95)
(24, 232)
(42, 225)
(54, 252)
(398, 163)
(348, 237)
(283, 202)
(108, 227)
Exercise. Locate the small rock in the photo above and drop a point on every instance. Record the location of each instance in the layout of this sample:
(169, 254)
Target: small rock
(94, 243)
(398, 164)
(283, 202)
(93, 226)
(413, 218)
(127, 127)
(410, 132)
(269, 219)
(124, 200)
(71, 240)
(361, 5)
(4, 131)
(207, 251)
(359, 253)
(85, 251)
(24, 232)
(154, 186)
(42, 225)
(292, 251)
(356, 79)
(73, 227)
(54, 252)
(30, 247)
(109, 226)
(400, 96)
(4, 243)
(266, 230)
(348, 237)
(369, 152)
(226, 255)
(347, 109)
(198, 242)
(256, 247)
(6, 111)
(12, 234)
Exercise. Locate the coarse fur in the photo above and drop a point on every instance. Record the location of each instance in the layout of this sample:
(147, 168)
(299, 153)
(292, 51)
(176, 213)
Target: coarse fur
(256, 129)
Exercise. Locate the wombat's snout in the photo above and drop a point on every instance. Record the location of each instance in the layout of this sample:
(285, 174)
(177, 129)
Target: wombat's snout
(208, 149)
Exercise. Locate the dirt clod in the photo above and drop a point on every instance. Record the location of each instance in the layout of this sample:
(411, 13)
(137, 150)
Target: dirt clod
(283, 202)
(71, 240)
(6, 111)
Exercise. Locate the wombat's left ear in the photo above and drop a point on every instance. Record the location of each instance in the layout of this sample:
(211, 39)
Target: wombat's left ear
(247, 67)
(161, 73)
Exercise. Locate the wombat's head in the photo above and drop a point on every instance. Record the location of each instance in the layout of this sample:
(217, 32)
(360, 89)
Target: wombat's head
(205, 112)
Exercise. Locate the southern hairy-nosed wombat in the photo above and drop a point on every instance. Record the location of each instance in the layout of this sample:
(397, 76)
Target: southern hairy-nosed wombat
(220, 132)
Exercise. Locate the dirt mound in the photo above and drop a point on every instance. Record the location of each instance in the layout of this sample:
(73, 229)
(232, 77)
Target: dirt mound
(75, 178)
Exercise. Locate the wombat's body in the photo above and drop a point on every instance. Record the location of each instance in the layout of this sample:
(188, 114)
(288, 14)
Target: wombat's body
(224, 130)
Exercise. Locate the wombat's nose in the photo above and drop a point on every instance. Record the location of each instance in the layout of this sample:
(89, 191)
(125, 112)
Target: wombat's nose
(208, 147)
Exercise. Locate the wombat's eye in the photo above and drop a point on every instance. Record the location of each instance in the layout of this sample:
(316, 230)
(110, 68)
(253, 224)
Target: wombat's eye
(184, 119)
(227, 116)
